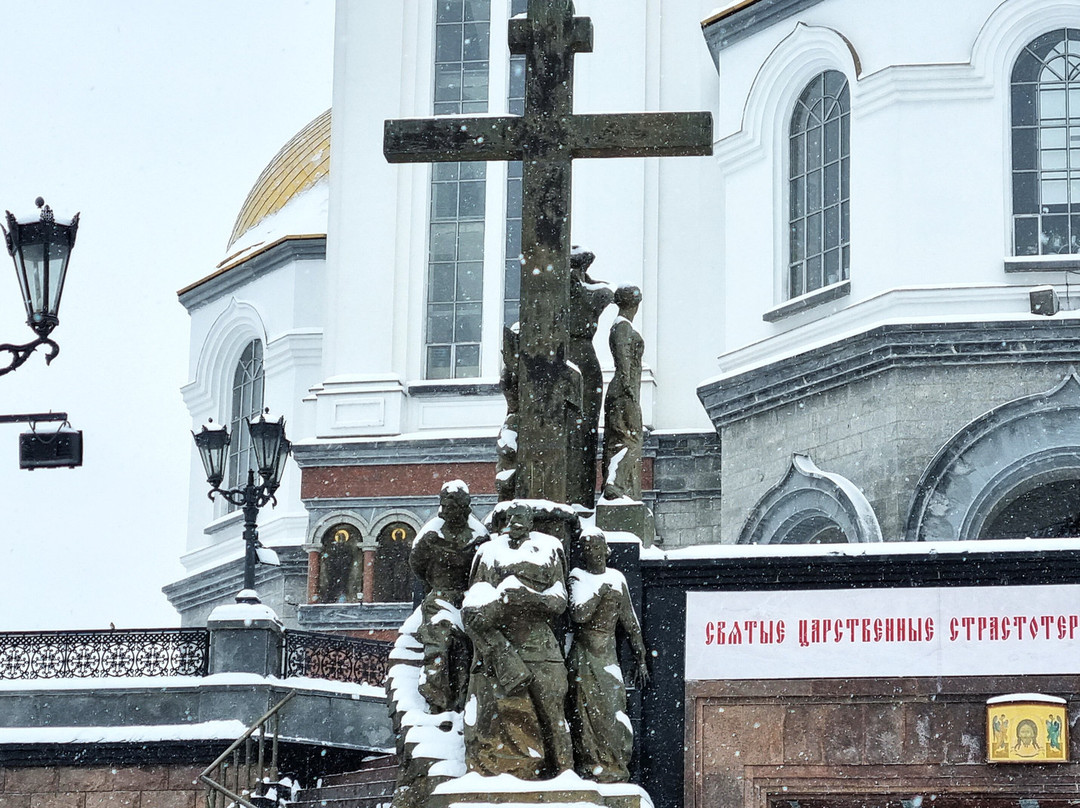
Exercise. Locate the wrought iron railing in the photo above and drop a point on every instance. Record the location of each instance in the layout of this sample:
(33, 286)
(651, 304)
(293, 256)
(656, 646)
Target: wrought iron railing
(341, 659)
(252, 760)
(105, 653)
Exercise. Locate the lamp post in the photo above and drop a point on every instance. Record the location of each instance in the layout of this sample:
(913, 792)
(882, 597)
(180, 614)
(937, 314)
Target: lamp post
(272, 450)
(40, 249)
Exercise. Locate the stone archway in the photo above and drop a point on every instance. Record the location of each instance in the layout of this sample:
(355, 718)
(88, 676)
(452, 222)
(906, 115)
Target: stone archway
(811, 506)
(1011, 473)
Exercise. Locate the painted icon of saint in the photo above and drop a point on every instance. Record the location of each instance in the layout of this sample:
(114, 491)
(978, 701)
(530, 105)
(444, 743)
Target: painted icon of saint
(1053, 733)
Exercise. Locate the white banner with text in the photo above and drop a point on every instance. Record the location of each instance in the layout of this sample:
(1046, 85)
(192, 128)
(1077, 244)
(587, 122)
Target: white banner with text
(827, 633)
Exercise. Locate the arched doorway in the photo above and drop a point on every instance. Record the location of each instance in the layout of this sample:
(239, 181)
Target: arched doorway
(1043, 508)
(340, 565)
(393, 578)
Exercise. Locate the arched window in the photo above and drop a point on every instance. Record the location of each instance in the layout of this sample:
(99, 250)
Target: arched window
(247, 403)
(1046, 145)
(393, 577)
(818, 187)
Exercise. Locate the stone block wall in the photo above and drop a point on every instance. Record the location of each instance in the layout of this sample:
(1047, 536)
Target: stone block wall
(282, 588)
(880, 432)
(686, 476)
(119, 786)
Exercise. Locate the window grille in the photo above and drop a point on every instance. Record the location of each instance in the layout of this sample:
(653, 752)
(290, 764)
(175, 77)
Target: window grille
(456, 230)
(1045, 116)
(818, 188)
(247, 403)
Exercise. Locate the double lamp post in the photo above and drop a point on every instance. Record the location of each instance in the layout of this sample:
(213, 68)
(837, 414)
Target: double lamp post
(272, 450)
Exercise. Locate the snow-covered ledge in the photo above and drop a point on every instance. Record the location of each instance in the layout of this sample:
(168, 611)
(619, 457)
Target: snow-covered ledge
(245, 637)
(818, 297)
(1042, 263)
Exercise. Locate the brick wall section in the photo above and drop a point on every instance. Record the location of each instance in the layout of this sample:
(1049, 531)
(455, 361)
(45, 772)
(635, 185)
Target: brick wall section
(880, 433)
(165, 786)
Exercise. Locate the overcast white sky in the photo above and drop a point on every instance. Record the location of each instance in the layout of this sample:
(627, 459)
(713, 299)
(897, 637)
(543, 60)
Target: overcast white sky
(153, 120)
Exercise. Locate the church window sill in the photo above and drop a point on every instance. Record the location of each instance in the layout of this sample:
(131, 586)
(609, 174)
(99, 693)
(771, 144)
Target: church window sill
(1042, 263)
(808, 301)
(454, 388)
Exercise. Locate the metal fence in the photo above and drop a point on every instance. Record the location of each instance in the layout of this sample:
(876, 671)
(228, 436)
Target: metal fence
(341, 659)
(179, 652)
(105, 653)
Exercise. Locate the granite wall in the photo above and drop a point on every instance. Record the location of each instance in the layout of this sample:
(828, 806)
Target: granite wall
(876, 408)
(763, 743)
(158, 786)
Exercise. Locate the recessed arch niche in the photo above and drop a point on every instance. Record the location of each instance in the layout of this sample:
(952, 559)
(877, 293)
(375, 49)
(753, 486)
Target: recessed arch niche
(341, 567)
(811, 506)
(393, 578)
(1011, 473)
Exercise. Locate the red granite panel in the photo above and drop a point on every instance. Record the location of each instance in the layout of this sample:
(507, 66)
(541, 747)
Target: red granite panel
(334, 482)
(409, 480)
(58, 799)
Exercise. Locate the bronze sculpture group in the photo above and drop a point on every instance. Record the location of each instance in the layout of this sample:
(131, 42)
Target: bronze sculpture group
(523, 713)
(517, 633)
(580, 392)
(492, 625)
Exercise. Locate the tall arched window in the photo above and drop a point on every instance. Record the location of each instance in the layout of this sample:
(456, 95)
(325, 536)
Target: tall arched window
(247, 403)
(1046, 145)
(818, 188)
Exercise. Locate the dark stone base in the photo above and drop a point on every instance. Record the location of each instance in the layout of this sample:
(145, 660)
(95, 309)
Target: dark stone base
(627, 517)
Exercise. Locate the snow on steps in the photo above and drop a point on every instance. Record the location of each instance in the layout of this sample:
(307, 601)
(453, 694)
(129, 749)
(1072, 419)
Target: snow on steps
(369, 787)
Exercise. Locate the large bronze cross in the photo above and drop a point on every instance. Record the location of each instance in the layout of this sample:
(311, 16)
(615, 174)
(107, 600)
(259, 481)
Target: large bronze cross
(546, 139)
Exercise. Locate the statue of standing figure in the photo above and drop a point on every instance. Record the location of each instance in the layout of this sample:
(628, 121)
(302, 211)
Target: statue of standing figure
(623, 435)
(441, 557)
(587, 300)
(515, 719)
(599, 608)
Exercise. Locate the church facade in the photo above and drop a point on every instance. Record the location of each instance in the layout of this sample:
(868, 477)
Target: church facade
(859, 333)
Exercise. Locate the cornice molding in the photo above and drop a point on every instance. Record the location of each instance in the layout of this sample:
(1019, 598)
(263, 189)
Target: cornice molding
(230, 278)
(882, 349)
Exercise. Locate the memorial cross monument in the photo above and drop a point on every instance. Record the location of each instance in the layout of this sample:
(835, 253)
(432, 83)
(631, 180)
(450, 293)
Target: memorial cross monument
(547, 138)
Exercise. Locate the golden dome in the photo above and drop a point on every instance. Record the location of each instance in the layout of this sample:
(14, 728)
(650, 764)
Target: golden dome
(301, 163)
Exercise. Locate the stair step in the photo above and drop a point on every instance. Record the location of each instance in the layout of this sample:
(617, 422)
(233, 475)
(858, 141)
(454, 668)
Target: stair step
(351, 802)
(376, 774)
(341, 791)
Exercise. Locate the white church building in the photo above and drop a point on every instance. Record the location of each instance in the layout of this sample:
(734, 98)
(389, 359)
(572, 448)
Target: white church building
(857, 312)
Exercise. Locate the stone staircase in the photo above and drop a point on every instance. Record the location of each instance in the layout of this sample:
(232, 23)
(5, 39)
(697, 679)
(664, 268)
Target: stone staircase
(369, 787)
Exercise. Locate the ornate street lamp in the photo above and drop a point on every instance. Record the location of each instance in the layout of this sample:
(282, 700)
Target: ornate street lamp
(40, 249)
(272, 450)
